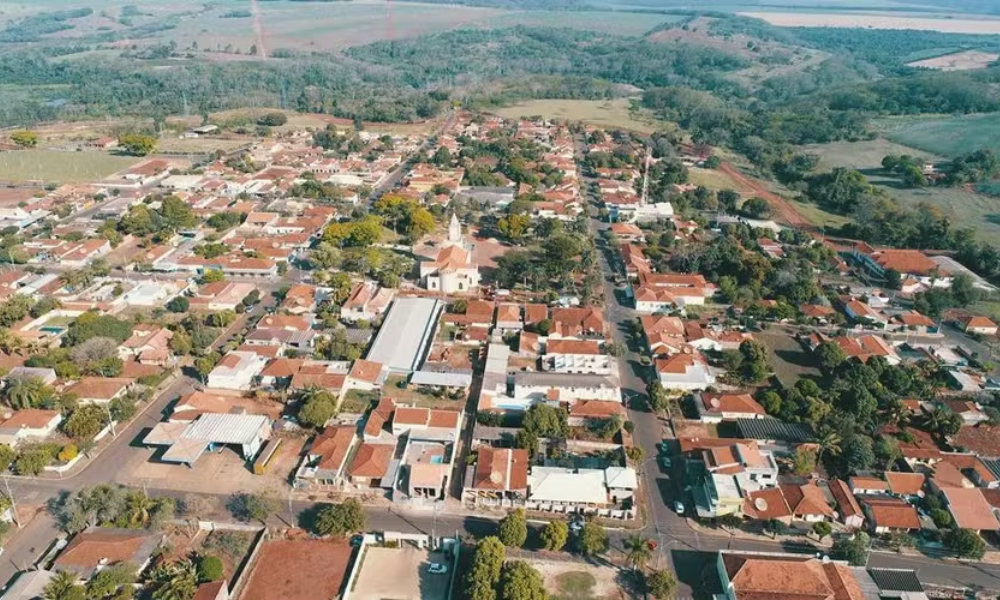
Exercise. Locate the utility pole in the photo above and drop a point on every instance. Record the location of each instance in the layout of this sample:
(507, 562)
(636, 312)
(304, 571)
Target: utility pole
(13, 505)
(111, 421)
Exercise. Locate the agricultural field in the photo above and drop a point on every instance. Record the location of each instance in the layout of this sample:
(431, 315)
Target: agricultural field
(946, 135)
(56, 166)
(861, 20)
(957, 61)
(864, 156)
(715, 179)
(616, 23)
(612, 114)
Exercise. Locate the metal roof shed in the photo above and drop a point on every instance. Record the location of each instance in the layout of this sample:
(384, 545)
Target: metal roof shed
(406, 334)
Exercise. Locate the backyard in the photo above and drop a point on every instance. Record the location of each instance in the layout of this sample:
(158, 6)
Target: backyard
(789, 359)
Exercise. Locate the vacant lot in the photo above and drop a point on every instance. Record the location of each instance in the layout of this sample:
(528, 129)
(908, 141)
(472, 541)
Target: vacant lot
(60, 167)
(959, 61)
(578, 581)
(714, 179)
(789, 359)
(870, 21)
(864, 156)
(946, 136)
(613, 114)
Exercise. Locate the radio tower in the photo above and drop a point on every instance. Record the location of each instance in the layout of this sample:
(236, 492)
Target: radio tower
(645, 177)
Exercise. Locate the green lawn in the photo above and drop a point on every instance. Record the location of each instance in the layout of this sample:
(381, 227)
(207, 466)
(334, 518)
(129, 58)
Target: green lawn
(575, 585)
(55, 166)
(946, 135)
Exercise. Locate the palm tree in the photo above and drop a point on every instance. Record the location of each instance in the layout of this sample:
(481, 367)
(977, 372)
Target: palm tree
(139, 506)
(25, 392)
(9, 343)
(63, 586)
(640, 550)
(175, 581)
(829, 441)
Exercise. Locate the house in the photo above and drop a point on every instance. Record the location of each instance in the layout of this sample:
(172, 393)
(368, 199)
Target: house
(860, 312)
(370, 465)
(634, 260)
(911, 320)
(788, 503)
(299, 299)
(366, 375)
(100, 390)
(978, 325)
(220, 295)
(863, 485)
(727, 471)
(453, 271)
(908, 485)
(576, 356)
(627, 232)
(149, 344)
(667, 290)
(324, 463)
(508, 317)
(236, 371)
(366, 302)
(971, 412)
(32, 423)
(96, 547)
(532, 387)
(912, 263)
(867, 346)
(848, 508)
(583, 412)
(687, 372)
(426, 424)
(577, 323)
(280, 371)
(970, 510)
(886, 514)
(588, 491)
(760, 575)
(715, 408)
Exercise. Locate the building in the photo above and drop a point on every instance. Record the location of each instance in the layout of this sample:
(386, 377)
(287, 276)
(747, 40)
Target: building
(498, 479)
(186, 442)
(366, 302)
(978, 325)
(848, 508)
(100, 390)
(753, 575)
(576, 356)
(96, 547)
(406, 335)
(886, 514)
(684, 372)
(970, 510)
(577, 323)
(715, 408)
(28, 424)
(324, 463)
(220, 295)
(236, 371)
(453, 271)
(531, 387)
(149, 344)
(585, 491)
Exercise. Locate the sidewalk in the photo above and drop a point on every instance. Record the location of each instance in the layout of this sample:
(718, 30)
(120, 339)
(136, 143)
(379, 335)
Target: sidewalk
(758, 537)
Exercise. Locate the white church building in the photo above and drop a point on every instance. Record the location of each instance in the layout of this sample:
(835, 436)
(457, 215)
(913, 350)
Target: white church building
(453, 271)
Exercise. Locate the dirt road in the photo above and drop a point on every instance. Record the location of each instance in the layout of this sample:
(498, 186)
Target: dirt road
(783, 209)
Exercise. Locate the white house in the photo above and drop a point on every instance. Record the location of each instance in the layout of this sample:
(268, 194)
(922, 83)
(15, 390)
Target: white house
(576, 356)
(687, 372)
(236, 371)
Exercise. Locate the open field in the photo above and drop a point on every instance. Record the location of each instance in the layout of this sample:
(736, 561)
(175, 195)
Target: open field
(617, 23)
(863, 156)
(958, 61)
(55, 166)
(946, 135)
(788, 358)
(613, 114)
(985, 25)
(716, 180)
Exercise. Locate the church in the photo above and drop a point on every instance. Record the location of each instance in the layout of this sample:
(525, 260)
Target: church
(453, 271)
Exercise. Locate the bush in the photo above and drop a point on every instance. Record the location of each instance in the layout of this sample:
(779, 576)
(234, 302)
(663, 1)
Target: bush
(210, 568)
(513, 529)
(68, 453)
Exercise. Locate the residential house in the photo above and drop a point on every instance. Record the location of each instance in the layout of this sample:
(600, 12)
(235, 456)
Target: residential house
(907, 485)
(299, 299)
(97, 547)
(913, 321)
(508, 318)
(865, 484)
(970, 510)
(860, 312)
(664, 335)
(583, 412)
(324, 463)
(760, 575)
(532, 387)
(848, 508)
(426, 424)
(867, 346)
(28, 424)
(658, 292)
(577, 323)
(576, 356)
(149, 344)
(978, 325)
(634, 260)
(886, 514)
(908, 263)
(716, 407)
(366, 302)
(100, 390)
(220, 295)
(366, 375)
(686, 372)
(236, 371)
(370, 465)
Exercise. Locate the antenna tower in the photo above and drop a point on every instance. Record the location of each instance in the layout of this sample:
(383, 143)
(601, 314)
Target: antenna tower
(645, 177)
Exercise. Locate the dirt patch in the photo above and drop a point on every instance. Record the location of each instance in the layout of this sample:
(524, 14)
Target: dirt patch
(573, 580)
(870, 21)
(299, 570)
(789, 359)
(959, 61)
(783, 210)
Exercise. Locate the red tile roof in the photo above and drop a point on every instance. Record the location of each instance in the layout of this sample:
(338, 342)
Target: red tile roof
(371, 461)
(501, 469)
(892, 513)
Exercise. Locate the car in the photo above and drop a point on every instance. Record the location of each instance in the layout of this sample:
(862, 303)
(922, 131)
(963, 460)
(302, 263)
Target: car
(678, 507)
(665, 461)
(438, 569)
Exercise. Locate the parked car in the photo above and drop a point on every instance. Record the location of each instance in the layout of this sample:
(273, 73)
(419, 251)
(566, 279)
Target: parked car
(678, 507)
(665, 461)
(438, 569)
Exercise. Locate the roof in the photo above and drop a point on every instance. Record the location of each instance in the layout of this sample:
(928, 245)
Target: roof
(762, 576)
(366, 370)
(896, 580)
(905, 261)
(981, 439)
(975, 321)
(446, 379)
(906, 484)
(768, 503)
(556, 484)
(865, 482)
(892, 513)
(846, 501)
(501, 469)
(970, 509)
(774, 429)
(209, 591)
(99, 388)
(32, 418)
(731, 403)
(405, 333)
(560, 346)
(592, 409)
(29, 585)
(332, 446)
(947, 475)
(623, 478)
(227, 428)
(806, 499)
(98, 546)
(372, 460)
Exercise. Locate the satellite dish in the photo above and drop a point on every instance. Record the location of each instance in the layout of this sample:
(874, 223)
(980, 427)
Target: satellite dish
(760, 504)
(496, 477)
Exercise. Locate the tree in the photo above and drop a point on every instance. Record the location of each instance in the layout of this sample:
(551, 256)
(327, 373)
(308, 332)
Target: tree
(941, 517)
(137, 145)
(26, 392)
(638, 551)
(822, 529)
(483, 577)
(858, 453)
(205, 365)
(544, 420)
(965, 543)
(86, 422)
(804, 461)
(828, 442)
(94, 350)
(513, 529)
(756, 208)
(174, 581)
(24, 138)
(661, 584)
(829, 356)
(111, 580)
(180, 304)
(320, 406)
(252, 507)
(63, 586)
(728, 200)
(854, 549)
(341, 519)
(592, 539)
(272, 119)
(658, 398)
(554, 535)
(7, 456)
(514, 227)
(210, 568)
(180, 342)
(520, 581)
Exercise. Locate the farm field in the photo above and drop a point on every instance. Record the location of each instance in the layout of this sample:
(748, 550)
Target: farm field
(947, 135)
(614, 114)
(958, 61)
(605, 22)
(56, 166)
(715, 179)
(943, 23)
(968, 208)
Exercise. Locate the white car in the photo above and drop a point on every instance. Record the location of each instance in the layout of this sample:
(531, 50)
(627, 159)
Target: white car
(438, 569)
(678, 507)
